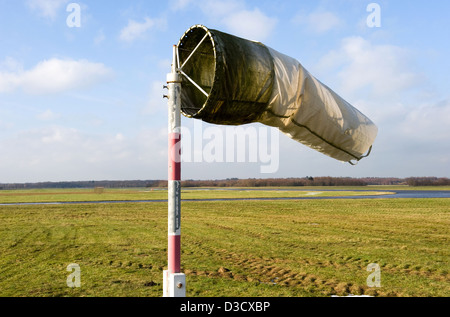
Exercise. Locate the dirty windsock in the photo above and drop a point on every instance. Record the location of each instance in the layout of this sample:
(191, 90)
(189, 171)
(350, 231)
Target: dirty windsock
(232, 81)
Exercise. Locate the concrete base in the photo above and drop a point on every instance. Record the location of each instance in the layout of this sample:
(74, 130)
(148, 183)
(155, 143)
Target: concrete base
(174, 285)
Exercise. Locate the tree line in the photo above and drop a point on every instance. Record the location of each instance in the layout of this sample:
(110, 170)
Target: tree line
(317, 181)
(427, 181)
(236, 182)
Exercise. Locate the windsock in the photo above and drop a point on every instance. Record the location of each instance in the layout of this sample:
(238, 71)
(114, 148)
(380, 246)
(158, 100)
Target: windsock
(229, 80)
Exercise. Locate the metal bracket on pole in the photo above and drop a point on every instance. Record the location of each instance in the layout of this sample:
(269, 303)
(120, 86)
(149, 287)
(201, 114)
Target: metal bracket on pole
(174, 282)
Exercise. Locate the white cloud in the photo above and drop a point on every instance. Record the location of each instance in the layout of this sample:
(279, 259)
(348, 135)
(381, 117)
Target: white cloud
(58, 153)
(155, 100)
(323, 21)
(234, 16)
(319, 21)
(46, 8)
(219, 8)
(10, 65)
(135, 30)
(179, 4)
(252, 25)
(53, 76)
(47, 115)
(238, 20)
(384, 69)
(429, 123)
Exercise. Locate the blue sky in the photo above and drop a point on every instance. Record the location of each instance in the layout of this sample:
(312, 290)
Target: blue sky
(85, 103)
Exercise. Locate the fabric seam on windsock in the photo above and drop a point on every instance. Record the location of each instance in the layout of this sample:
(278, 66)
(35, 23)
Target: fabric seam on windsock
(313, 133)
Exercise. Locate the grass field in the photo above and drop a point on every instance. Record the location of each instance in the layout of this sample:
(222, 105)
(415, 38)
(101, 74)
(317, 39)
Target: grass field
(232, 248)
(86, 195)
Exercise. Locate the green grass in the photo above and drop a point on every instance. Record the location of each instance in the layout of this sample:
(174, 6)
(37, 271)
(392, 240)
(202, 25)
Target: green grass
(86, 195)
(232, 248)
(133, 194)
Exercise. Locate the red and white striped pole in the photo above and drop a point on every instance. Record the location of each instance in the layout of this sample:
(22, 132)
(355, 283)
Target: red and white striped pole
(174, 280)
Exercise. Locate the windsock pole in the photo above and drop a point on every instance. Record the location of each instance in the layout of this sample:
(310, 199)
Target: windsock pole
(174, 281)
